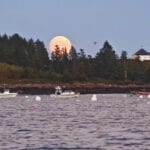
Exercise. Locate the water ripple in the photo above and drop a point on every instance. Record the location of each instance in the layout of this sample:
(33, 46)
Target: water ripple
(112, 122)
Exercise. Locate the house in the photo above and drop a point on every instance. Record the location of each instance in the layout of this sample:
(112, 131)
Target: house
(142, 55)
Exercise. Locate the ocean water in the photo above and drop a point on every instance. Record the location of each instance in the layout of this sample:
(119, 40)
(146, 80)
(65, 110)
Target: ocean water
(113, 122)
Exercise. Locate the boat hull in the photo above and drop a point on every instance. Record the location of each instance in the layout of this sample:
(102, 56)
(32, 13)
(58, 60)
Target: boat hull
(65, 96)
(143, 93)
(8, 95)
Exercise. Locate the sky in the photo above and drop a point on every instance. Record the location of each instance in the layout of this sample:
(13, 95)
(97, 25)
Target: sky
(125, 24)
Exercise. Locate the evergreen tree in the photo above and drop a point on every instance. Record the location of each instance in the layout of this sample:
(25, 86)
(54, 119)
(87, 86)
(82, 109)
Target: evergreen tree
(18, 50)
(41, 55)
(56, 57)
(73, 54)
(106, 62)
(74, 63)
(124, 64)
(124, 56)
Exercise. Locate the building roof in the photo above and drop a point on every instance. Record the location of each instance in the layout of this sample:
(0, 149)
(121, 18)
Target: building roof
(142, 52)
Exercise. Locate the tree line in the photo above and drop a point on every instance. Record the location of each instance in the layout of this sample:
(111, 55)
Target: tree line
(29, 59)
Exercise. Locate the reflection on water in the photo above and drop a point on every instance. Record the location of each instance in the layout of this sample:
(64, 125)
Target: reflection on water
(113, 122)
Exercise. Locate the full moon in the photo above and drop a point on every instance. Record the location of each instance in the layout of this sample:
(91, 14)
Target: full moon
(60, 41)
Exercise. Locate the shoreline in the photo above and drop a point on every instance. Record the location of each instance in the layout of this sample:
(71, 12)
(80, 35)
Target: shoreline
(83, 88)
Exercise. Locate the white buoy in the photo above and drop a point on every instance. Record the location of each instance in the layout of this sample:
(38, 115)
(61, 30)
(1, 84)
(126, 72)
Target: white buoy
(38, 98)
(94, 97)
(26, 96)
(141, 96)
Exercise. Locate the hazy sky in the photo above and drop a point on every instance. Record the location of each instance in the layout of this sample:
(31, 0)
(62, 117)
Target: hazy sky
(124, 23)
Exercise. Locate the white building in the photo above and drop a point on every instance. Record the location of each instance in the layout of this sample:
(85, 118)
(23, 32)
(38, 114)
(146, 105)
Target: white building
(142, 55)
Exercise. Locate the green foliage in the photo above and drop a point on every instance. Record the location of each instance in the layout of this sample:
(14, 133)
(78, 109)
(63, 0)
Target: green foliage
(124, 56)
(136, 70)
(10, 71)
(17, 50)
(28, 59)
(123, 66)
(106, 62)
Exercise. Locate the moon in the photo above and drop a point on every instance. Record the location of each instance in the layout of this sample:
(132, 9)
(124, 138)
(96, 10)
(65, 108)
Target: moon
(62, 42)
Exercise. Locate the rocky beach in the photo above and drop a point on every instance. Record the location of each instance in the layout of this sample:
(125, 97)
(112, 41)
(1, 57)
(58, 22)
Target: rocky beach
(83, 88)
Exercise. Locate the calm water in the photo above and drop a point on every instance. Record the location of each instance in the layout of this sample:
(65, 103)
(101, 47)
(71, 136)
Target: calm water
(113, 122)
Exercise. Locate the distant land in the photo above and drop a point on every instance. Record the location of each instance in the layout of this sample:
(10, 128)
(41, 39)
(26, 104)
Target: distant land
(26, 66)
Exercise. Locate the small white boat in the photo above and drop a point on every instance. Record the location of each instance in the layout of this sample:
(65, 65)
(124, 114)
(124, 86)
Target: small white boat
(7, 94)
(64, 94)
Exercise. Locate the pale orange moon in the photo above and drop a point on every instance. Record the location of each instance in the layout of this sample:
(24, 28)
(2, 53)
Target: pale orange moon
(62, 42)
